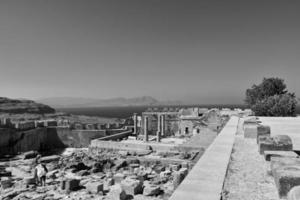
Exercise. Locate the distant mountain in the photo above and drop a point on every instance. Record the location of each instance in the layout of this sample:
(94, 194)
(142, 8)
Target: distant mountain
(68, 102)
(19, 106)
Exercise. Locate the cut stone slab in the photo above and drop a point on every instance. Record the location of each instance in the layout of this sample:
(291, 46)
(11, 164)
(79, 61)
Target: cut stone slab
(118, 177)
(250, 130)
(72, 184)
(294, 193)
(6, 182)
(94, 187)
(263, 130)
(117, 193)
(30, 154)
(132, 186)
(269, 154)
(276, 143)
(286, 178)
(151, 190)
(174, 167)
(277, 162)
(48, 159)
(29, 180)
(178, 178)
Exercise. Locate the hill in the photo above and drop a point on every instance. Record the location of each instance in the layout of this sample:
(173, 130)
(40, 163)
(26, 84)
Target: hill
(19, 106)
(68, 102)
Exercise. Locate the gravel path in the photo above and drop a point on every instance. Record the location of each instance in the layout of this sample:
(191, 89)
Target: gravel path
(248, 177)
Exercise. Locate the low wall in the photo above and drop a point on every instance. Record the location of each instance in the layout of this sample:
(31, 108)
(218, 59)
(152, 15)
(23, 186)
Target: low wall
(21, 141)
(77, 138)
(117, 136)
(205, 181)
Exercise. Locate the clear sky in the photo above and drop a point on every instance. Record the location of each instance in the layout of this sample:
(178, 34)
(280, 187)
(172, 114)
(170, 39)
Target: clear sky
(193, 51)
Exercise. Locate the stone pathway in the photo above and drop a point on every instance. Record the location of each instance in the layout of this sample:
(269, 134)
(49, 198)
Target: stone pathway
(248, 177)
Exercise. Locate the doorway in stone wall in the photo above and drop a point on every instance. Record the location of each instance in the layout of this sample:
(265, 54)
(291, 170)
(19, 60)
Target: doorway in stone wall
(186, 130)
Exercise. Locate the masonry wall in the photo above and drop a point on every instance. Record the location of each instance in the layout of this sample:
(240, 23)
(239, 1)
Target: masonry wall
(14, 142)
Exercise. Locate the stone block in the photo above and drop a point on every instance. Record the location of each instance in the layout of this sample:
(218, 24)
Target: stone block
(269, 154)
(48, 159)
(286, 178)
(263, 130)
(6, 182)
(84, 173)
(174, 167)
(30, 154)
(185, 165)
(177, 178)
(294, 193)
(276, 143)
(118, 177)
(250, 130)
(184, 171)
(72, 184)
(5, 174)
(94, 187)
(277, 162)
(151, 190)
(132, 186)
(29, 180)
(159, 168)
(108, 183)
(117, 193)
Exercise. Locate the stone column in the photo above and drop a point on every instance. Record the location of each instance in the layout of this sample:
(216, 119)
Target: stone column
(146, 137)
(163, 125)
(135, 124)
(158, 128)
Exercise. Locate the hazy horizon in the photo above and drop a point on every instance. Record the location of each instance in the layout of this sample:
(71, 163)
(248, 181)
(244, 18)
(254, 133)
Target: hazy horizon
(197, 52)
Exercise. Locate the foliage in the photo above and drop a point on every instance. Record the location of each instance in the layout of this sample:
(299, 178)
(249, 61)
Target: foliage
(271, 98)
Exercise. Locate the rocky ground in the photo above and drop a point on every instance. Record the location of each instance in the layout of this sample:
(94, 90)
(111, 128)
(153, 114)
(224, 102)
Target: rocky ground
(248, 175)
(78, 175)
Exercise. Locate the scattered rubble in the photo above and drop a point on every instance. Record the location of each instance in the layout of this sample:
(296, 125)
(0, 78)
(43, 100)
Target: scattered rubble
(108, 175)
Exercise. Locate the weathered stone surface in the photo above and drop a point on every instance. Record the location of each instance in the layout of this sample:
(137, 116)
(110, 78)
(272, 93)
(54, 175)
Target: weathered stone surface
(30, 154)
(118, 177)
(177, 179)
(72, 184)
(79, 166)
(94, 187)
(263, 130)
(286, 178)
(5, 173)
(108, 183)
(184, 171)
(185, 165)
(269, 154)
(132, 186)
(277, 162)
(117, 193)
(52, 174)
(84, 173)
(134, 165)
(174, 167)
(29, 180)
(276, 143)
(6, 182)
(48, 159)
(294, 193)
(250, 130)
(151, 190)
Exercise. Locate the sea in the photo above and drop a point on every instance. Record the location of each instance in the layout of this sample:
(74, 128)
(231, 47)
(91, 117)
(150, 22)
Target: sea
(127, 111)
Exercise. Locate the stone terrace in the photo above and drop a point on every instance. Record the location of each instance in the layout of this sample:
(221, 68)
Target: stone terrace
(205, 181)
(285, 126)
